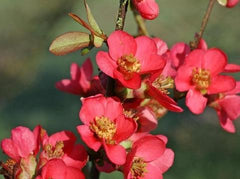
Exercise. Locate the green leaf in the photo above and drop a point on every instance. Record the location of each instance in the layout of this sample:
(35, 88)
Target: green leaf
(69, 42)
(97, 41)
(222, 2)
(91, 19)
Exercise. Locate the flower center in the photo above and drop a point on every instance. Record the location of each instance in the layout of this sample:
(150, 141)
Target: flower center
(138, 168)
(127, 65)
(163, 83)
(104, 128)
(201, 79)
(56, 151)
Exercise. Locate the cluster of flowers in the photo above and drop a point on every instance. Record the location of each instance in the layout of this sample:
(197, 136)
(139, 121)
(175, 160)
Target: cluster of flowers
(117, 129)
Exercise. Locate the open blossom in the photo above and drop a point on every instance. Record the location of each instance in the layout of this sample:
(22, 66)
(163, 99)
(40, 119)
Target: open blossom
(147, 8)
(105, 125)
(129, 58)
(57, 169)
(61, 145)
(81, 82)
(199, 75)
(227, 107)
(22, 149)
(148, 157)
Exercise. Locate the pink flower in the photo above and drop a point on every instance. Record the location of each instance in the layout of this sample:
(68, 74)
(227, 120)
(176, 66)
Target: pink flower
(228, 3)
(105, 125)
(128, 58)
(157, 88)
(81, 82)
(232, 3)
(147, 8)
(23, 142)
(143, 157)
(22, 148)
(228, 108)
(61, 145)
(199, 75)
(57, 169)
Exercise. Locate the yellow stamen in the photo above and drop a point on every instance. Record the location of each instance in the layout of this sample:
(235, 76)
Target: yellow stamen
(104, 128)
(56, 151)
(138, 168)
(127, 65)
(201, 79)
(163, 83)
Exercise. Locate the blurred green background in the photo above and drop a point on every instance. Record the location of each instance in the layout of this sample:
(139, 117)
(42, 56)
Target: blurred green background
(28, 73)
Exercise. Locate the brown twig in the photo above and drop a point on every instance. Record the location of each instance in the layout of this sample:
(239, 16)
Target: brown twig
(199, 35)
(123, 6)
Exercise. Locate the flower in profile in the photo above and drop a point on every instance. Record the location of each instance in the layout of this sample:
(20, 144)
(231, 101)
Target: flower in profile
(61, 145)
(200, 75)
(81, 82)
(227, 106)
(129, 58)
(148, 9)
(105, 125)
(22, 149)
(56, 168)
(148, 157)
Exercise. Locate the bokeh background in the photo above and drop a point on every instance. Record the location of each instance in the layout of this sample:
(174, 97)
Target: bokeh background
(28, 72)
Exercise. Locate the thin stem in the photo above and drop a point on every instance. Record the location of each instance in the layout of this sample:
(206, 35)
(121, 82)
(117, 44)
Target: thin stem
(122, 11)
(94, 173)
(204, 24)
(142, 29)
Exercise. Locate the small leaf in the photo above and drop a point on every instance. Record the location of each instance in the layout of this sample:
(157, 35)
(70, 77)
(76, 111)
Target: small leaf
(222, 2)
(69, 42)
(91, 19)
(97, 41)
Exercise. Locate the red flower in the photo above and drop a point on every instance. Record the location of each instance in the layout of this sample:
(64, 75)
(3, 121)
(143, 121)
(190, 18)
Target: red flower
(142, 159)
(81, 82)
(228, 3)
(105, 124)
(147, 8)
(57, 169)
(199, 75)
(228, 108)
(23, 142)
(61, 145)
(128, 58)
(22, 148)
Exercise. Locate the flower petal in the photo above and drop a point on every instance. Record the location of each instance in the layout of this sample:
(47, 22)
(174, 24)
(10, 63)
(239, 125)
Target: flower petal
(183, 80)
(88, 137)
(225, 122)
(116, 153)
(105, 63)
(134, 82)
(232, 68)
(149, 148)
(231, 105)
(221, 84)
(125, 128)
(214, 60)
(121, 43)
(195, 101)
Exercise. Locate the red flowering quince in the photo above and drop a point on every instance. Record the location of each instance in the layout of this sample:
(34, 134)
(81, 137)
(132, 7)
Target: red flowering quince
(61, 145)
(105, 125)
(129, 58)
(57, 169)
(22, 149)
(148, 9)
(148, 158)
(227, 107)
(228, 3)
(81, 82)
(199, 75)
